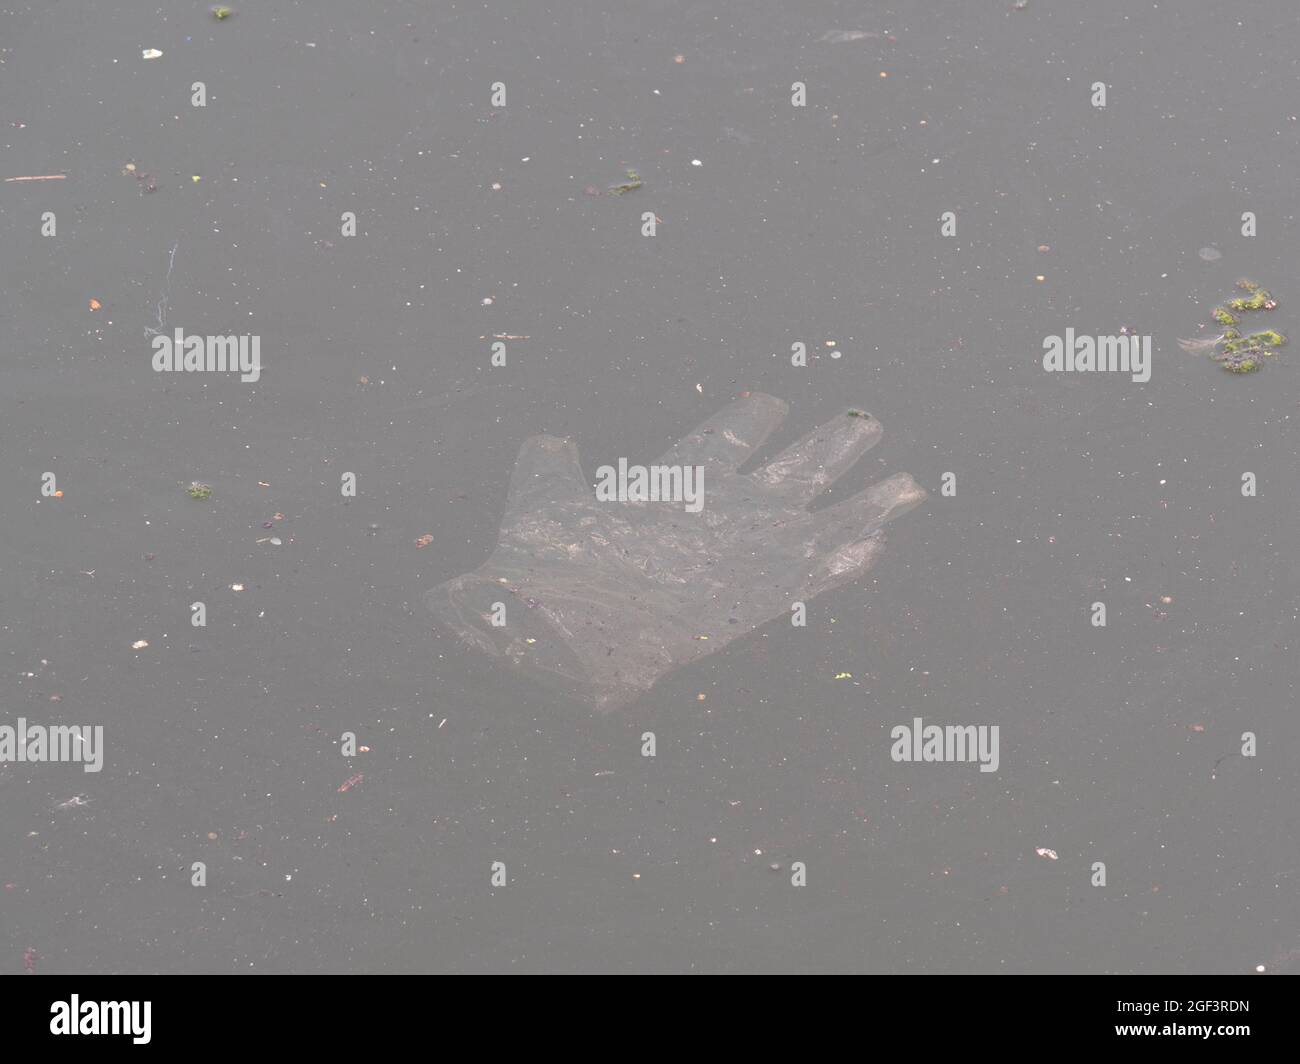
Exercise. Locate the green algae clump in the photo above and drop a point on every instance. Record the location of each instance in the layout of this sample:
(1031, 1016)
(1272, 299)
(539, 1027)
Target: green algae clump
(1230, 349)
(1242, 364)
(633, 182)
(1268, 338)
(1259, 299)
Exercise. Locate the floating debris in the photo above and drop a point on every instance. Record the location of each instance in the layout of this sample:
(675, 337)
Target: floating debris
(424, 540)
(632, 183)
(198, 491)
(1051, 855)
(845, 36)
(348, 784)
(221, 13)
(1233, 351)
(152, 53)
(139, 644)
(147, 183)
(38, 177)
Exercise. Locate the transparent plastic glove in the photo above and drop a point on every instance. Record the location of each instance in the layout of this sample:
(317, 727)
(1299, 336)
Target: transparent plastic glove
(610, 596)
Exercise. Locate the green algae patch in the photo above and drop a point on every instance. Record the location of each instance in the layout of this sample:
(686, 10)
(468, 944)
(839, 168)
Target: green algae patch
(632, 183)
(1268, 338)
(1242, 363)
(1257, 300)
(1234, 351)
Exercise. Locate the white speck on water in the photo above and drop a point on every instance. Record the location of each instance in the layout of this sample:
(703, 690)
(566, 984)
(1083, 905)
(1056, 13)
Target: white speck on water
(1210, 254)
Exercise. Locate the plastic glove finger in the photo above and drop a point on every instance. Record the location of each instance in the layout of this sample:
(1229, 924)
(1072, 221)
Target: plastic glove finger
(722, 443)
(845, 564)
(806, 468)
(865, 512)
(546, 472)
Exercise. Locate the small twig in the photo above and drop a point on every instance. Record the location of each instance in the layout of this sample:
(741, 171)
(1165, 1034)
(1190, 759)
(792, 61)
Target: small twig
(166, 296)
(38, 177)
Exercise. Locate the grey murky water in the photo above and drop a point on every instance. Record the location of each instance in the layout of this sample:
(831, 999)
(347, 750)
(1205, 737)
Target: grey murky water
(817, 224)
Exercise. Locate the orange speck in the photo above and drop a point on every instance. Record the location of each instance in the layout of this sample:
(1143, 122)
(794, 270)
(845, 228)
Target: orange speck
(59, 494)
(884, 73)
(95, 304)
